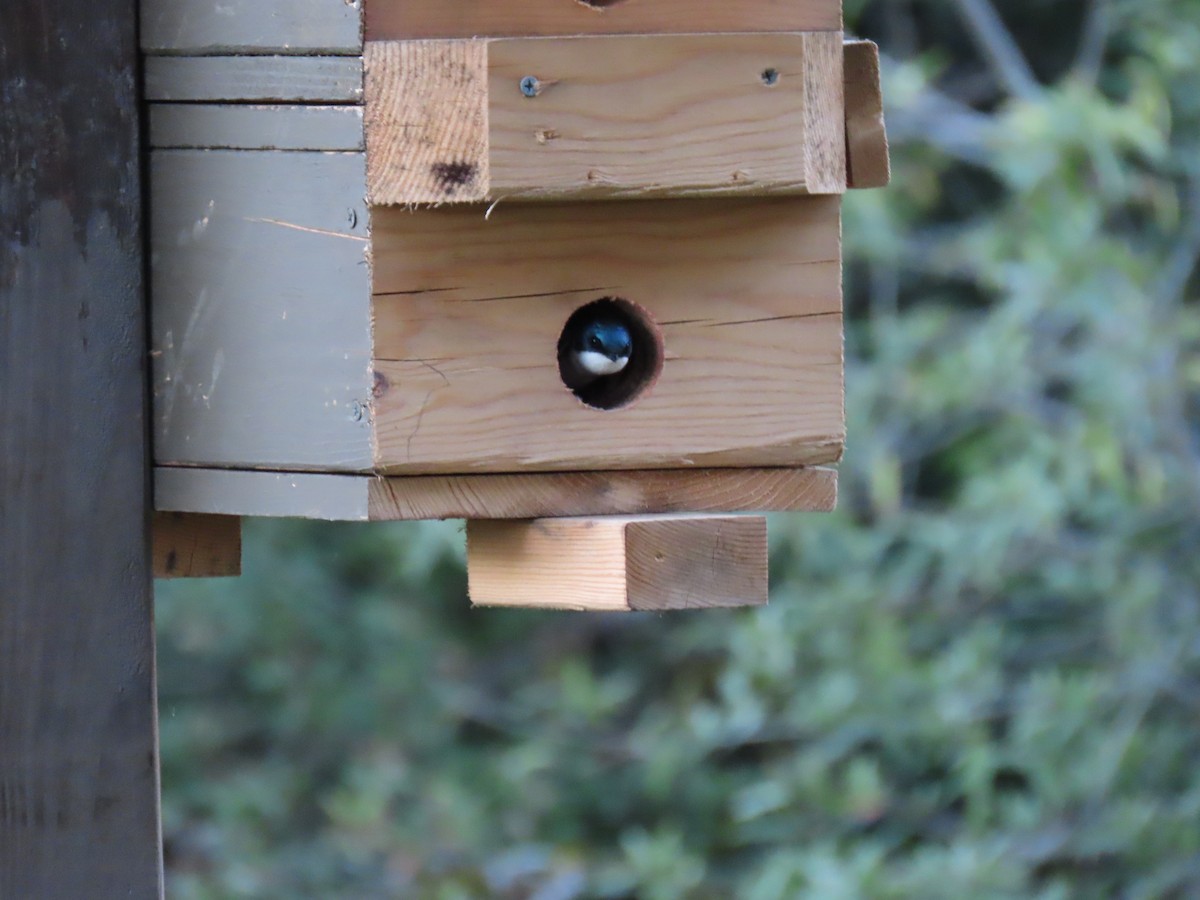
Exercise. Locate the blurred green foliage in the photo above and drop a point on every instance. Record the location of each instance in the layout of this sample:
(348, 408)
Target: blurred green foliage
(979, 679)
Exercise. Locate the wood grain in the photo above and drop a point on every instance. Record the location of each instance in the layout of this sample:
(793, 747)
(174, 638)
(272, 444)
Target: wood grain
(660, 115)
(409, 19)
(468, 311)
(261, 329)
(79, 800)
(518, 496)
(197, 546)
(824, 114)
(427, 121)
(552, 494)
(612, 117)
(868, 161)
(255, 127)
(619, 564)
(262, 79)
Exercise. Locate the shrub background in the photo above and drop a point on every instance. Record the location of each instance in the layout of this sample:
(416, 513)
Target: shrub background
(980, 678)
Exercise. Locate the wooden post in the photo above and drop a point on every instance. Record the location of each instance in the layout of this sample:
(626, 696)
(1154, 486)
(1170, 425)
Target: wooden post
(79, 800)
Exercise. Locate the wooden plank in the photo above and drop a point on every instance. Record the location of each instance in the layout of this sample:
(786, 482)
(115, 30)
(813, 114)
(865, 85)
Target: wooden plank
(427, 121)
(409, 19)
(678, 115)
(275, 79)
(619, 564)
(202, 27)
(868, 161)
(551, 494)
(79, 801)
(824, 114)
(197, 546)
(628, 117)
(242, 493)
(517, 496)
(468, 312)
(261, 320)
(253, 127)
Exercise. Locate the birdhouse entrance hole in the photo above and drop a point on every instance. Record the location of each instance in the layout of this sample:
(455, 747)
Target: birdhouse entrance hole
(645, 359)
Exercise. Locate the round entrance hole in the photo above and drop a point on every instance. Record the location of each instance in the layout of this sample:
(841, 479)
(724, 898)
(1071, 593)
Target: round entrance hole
(596, 332)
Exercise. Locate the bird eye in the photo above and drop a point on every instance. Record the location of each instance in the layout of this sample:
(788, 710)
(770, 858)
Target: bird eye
(595, 342)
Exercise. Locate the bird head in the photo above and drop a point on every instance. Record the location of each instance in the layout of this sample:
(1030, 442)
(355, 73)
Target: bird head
(603, 347)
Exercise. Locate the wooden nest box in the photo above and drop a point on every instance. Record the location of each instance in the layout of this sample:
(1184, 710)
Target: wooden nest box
(375, 224)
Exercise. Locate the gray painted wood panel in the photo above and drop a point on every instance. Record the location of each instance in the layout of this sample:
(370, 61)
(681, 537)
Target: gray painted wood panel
(205, 27)
(287, 494)
(279, 79)
(260, 309)
(251, 127)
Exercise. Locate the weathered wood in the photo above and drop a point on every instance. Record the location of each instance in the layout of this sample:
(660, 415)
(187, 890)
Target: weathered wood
(516, 496)
(619, 564)
(630, 117)
(408, 19)
(197, 546)
(79, 807)
(253, 127)
(551, 494)
(427, 121)
(868, 163)
(261, 328)
(276, 79)
(468, 312)
(203, 27)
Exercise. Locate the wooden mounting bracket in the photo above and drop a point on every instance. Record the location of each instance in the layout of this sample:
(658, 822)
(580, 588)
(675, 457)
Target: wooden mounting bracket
(619, 563)
(187, 545)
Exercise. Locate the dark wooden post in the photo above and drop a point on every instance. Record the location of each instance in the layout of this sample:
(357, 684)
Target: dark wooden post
(79, 802)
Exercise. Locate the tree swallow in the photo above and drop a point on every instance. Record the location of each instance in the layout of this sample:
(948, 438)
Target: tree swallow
(600, 349)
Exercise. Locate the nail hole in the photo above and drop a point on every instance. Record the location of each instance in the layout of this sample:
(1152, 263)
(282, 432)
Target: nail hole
(770, 77)
(645, 362)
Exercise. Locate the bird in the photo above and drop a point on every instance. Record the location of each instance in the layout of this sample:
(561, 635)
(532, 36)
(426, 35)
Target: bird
(600, 349)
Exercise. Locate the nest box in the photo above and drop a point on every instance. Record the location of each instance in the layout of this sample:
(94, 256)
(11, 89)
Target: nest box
(375, 225)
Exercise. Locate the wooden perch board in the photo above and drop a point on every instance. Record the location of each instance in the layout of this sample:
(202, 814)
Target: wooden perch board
(468, 311)
(619, 564)
(410, 19)
(604, 117)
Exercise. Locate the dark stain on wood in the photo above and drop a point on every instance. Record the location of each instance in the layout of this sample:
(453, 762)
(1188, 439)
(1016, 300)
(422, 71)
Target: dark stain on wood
(450, 177)
(380, 386)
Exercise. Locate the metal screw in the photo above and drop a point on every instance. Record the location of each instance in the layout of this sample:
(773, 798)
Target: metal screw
(530, 86)
(770, 77)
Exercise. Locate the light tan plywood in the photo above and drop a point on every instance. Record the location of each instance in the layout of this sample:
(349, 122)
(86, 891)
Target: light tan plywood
(619, 564)
(468, 311)
(408, 19)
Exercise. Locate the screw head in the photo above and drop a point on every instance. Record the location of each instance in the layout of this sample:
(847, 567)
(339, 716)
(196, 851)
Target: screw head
(770, 77)
(530, 86)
